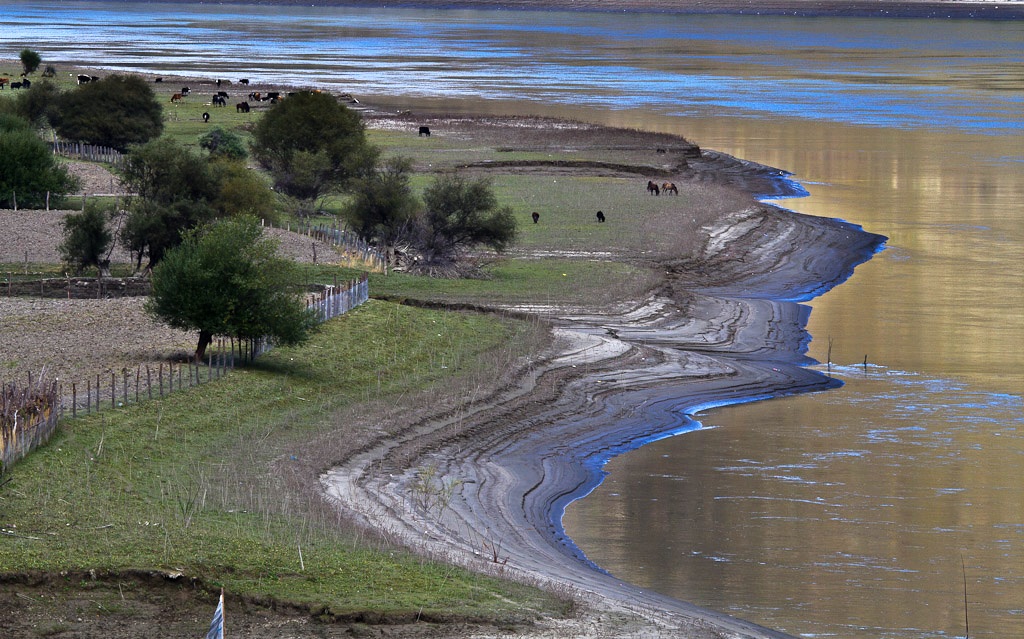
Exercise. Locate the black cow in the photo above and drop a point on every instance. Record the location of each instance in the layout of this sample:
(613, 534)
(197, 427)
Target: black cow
(206, 117)
(600, 216)
(84, 79)
(536, 217)
(158, 80)
(273, 96)
(185, 90)
(244, 81)
(223, 94)
(26, 83)
(425, 130)
(15, 85)
(218, 101)
(242, 107)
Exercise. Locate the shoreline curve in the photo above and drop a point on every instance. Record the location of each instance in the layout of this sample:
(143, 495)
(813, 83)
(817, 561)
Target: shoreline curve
(719, 331)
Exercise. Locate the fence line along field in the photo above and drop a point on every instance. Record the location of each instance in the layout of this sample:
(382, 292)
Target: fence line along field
(77, 339)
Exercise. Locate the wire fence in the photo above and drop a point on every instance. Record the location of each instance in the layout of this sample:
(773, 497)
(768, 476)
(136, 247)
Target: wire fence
(30, 414)
(88, 152)
(356, 252)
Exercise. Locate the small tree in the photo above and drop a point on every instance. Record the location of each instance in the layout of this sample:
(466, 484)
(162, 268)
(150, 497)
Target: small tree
(87, 238)
(382, 204)
(116, 111)
(28, 169)
(30, 60)
(312, 144)
(226, 279)
(460, 214)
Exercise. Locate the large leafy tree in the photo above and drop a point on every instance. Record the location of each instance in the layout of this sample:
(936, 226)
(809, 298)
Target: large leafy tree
(28, 169)
(117, 111)
(175, 191)
(459, 214)
(382, 205)
(227, 279)
(312, 144)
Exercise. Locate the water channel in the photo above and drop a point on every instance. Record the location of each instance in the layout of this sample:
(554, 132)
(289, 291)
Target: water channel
(854, 513)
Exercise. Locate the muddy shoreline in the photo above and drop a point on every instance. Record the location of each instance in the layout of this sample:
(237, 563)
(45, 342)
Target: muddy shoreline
(722, 329)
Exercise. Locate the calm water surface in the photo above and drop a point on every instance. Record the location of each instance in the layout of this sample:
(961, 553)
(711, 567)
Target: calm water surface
(852, 513)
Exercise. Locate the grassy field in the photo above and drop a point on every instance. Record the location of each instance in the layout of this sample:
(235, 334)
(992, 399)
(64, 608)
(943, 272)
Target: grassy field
(220, 482)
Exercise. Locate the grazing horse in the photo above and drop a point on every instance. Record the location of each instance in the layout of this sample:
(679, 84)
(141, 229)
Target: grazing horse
(425, 130)
(652, 188)
(669, 187)
(242, 107)
(176, 97)
(536, 217)
(600, 216)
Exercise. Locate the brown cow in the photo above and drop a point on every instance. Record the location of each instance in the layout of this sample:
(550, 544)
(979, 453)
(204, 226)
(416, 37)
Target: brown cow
(176, 97)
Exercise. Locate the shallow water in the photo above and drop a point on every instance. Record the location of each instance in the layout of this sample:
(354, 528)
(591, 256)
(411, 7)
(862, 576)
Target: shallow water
(838, 514)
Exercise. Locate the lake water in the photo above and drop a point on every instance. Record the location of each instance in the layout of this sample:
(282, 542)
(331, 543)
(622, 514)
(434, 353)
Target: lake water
(856, 513)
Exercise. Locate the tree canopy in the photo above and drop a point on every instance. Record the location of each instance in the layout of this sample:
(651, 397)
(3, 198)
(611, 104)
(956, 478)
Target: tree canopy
(116, 111)
(178, 188)
(28, 169)
(382, 204)
(175, 190)
(459, 214)
(312, 144)
(226, 279)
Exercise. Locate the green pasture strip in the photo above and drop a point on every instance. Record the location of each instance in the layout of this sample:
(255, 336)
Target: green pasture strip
(194, 482)
(522, 281)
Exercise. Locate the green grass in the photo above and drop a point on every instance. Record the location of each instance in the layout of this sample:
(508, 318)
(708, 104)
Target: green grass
(194, 482)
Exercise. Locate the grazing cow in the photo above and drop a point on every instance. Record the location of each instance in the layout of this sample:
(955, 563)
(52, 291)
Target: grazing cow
(158, 80)
(273, 96)
(219, 100)
(244, 81)
(242, 107)
(652, 188)
(84, 79)
(185, 91)
(536, 216)
(15, 85)
(425, 130)
(668, 187)
(223, 94)
(206, 116)
(176, 97)
(255, 96)
(4, 81)
(26, 83)
(600, 216)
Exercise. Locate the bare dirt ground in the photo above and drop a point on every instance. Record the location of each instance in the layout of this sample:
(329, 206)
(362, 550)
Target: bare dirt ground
(75, 340)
